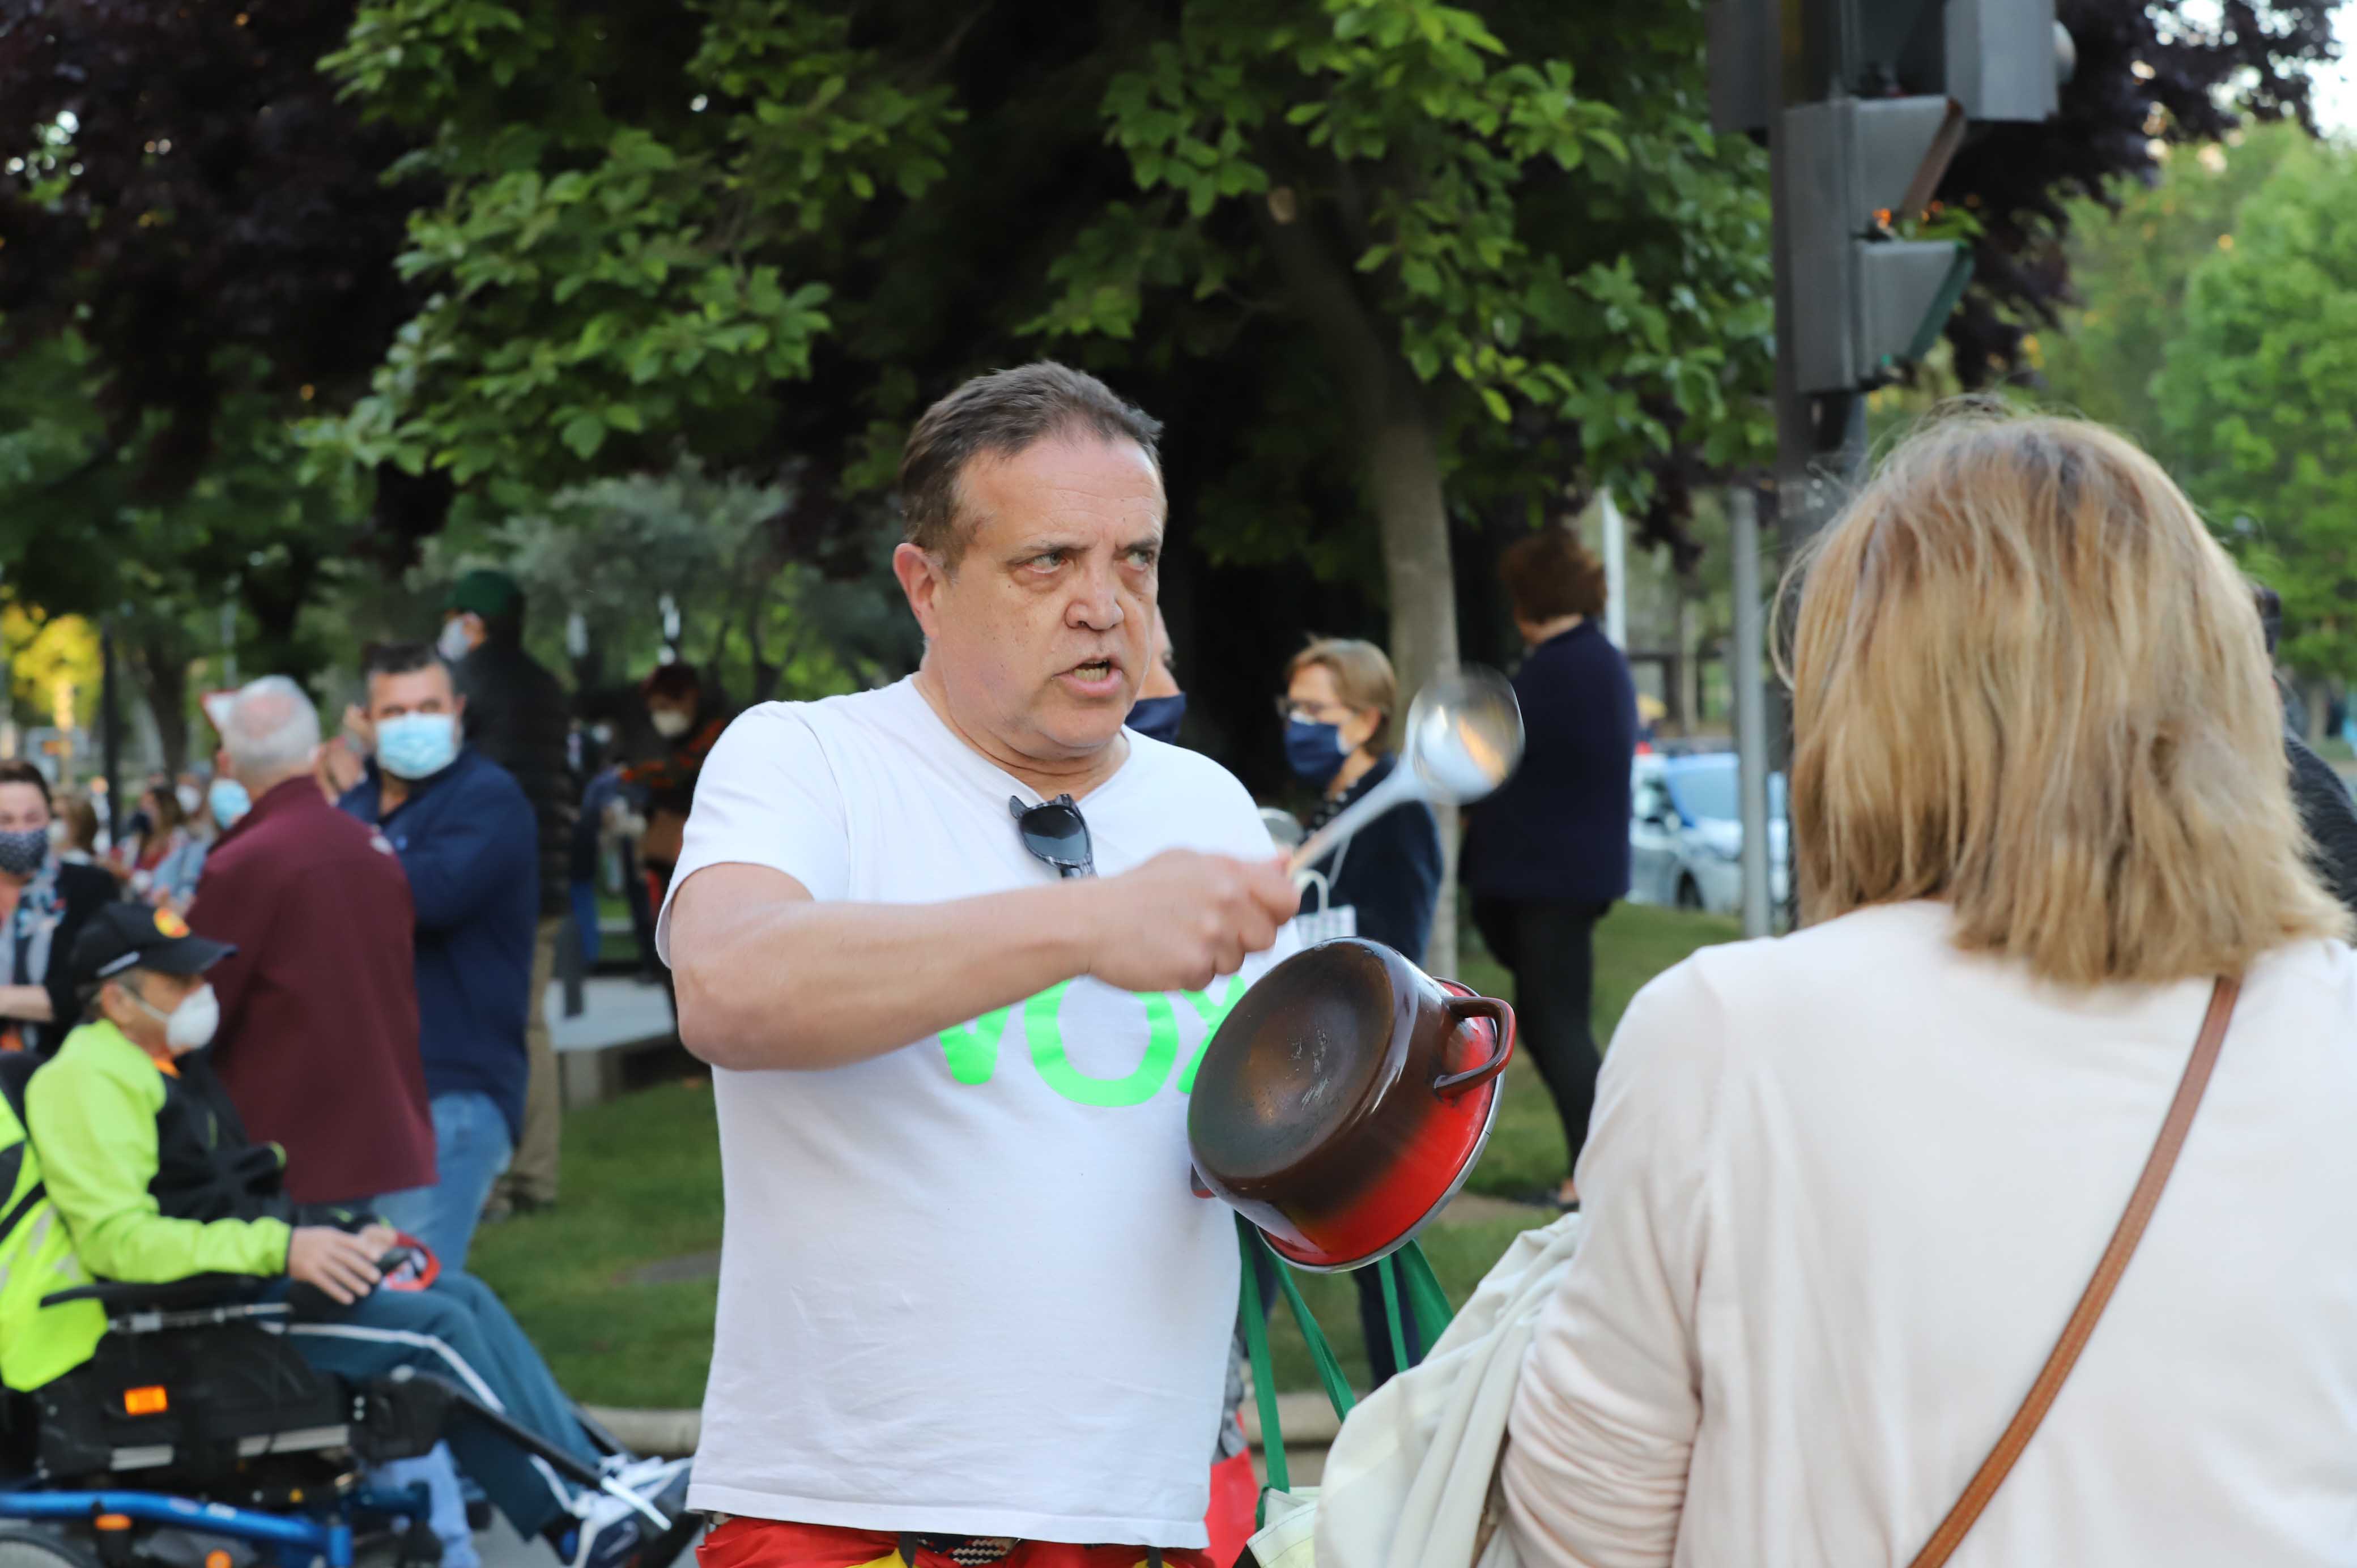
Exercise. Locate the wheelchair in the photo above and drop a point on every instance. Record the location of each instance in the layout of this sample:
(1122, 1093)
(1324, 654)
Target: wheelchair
(195, 1437)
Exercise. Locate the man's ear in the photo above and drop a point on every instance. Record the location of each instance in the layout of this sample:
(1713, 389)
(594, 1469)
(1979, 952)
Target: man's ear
(922, 576)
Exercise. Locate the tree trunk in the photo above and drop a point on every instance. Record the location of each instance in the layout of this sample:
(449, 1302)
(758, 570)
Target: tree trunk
(157, 664)
(1401, 464)
(1404, 477)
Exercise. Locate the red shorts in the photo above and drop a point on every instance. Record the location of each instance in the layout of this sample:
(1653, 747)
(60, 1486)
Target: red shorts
(771, 1543)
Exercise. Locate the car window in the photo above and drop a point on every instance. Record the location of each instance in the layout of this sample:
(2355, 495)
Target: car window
(1706, 789)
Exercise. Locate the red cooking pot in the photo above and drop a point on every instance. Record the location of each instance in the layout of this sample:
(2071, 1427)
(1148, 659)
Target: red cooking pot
(1345, 1098)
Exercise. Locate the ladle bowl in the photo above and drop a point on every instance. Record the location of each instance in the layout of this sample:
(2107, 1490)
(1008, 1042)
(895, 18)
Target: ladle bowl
(1463, 739)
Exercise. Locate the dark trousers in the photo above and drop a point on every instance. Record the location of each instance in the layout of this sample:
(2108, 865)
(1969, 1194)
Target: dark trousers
(1550, 946)
(1382, 1365)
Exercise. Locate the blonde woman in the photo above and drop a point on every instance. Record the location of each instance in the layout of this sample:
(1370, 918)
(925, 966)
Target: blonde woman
(1844, 1189)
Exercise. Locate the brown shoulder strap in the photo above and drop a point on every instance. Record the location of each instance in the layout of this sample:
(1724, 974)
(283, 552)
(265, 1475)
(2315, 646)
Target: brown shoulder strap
(1991, 1475)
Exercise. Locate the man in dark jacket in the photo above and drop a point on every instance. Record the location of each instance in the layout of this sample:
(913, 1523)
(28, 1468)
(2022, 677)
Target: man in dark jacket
(516, 716)
(319, 998)
(463, 832)
(1548, 854)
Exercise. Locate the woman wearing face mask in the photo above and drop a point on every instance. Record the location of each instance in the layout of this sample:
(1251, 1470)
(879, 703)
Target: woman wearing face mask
(1340, 696)
(171, 858)
(44, 904)
(687, 721)
(1160, 703)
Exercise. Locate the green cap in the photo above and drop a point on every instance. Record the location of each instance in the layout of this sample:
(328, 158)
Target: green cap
(486, 592)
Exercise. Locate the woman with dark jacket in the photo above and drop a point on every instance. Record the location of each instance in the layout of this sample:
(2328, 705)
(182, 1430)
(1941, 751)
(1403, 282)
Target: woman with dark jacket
(1548, 854)
(44, 902)
(1340, 696)
(1338, 700)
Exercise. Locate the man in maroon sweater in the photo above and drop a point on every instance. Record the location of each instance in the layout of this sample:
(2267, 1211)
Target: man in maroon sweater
(317, 1044)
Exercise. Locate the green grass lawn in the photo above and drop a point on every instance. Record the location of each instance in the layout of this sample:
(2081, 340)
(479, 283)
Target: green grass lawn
(642, 1186)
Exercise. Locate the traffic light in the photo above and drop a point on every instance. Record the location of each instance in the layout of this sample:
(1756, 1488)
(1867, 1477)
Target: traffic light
(1863, 301)
(1999, 59)
(1866, 101)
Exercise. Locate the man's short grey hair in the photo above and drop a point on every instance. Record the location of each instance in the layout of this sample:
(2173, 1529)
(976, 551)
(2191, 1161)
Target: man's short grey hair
(270, 726)
(1002, 414)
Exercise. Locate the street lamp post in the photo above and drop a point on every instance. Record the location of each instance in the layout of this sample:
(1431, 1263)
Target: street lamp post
(110, 728)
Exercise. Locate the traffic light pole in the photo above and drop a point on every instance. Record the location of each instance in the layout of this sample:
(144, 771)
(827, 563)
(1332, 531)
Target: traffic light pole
(1820, 445)
(1863, 103)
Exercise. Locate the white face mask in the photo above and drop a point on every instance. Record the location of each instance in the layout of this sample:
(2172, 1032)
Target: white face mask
(454, 644)
(669, 723)
(189, 1026)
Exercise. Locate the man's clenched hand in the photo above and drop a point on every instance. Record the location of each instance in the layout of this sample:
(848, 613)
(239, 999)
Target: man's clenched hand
(1183, 918)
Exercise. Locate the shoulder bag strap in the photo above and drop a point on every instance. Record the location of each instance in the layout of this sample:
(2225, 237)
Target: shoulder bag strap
(1992, 1471)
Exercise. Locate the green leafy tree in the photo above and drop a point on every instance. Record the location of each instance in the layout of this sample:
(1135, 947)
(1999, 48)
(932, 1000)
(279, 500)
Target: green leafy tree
(648, 229)
(2258, 397)
(2132, 266)
(613, 263)
(613, 550)
(1465, 237)
(85, 534)
(1392, 260)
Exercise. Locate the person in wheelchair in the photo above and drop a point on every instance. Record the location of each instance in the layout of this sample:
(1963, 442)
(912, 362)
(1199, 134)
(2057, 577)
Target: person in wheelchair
(156, 1180)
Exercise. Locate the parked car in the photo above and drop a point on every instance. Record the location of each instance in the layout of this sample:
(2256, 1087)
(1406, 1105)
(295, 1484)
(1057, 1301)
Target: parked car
(1686, 834)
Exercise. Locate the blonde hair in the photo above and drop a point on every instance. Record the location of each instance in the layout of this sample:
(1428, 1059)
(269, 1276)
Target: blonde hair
(2027, 681)
(1363, 672)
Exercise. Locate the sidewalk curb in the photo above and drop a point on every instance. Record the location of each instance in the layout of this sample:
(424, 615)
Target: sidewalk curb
(660, 1433)
(1307, 1419)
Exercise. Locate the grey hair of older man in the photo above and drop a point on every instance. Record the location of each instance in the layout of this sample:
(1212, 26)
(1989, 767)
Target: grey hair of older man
(271, 733)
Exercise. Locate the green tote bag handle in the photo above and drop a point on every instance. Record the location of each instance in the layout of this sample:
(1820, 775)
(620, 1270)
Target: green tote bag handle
(1423, 1296)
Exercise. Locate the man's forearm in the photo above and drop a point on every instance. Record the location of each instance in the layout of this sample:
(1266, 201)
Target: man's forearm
(783, 982)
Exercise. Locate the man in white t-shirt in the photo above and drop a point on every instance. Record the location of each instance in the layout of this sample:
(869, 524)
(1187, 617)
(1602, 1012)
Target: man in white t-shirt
(970, 1310)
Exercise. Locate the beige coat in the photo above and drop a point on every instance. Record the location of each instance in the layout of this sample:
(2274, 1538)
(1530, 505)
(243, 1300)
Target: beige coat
(1842, 1191)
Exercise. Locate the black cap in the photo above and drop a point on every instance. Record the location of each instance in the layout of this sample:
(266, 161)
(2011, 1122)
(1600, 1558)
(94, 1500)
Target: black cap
(131, 936)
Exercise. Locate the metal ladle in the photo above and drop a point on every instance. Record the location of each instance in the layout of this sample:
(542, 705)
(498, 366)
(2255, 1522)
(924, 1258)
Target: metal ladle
(1464, 738)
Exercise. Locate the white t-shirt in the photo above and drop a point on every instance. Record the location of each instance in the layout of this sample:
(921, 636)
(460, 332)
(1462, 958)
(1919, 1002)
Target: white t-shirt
(965, 1287)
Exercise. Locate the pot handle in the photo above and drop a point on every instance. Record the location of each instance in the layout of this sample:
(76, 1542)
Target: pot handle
(1458, 1009)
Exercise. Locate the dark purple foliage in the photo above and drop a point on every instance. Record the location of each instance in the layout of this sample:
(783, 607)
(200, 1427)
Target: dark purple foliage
(2017, 178)
(227, 200)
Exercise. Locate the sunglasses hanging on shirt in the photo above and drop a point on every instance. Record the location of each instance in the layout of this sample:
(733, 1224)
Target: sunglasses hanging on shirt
(1056, 832)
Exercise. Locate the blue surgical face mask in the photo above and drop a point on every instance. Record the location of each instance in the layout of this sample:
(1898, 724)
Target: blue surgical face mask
(229, 801)
(417, 745)
(1314, 752)
(1157, 718)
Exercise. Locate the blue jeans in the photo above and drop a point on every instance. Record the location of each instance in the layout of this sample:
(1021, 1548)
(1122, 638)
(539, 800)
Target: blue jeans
(471, 1146)
(459, 1330)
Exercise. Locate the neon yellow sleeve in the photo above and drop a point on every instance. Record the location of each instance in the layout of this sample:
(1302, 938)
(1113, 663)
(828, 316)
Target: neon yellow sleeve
(91, 1113)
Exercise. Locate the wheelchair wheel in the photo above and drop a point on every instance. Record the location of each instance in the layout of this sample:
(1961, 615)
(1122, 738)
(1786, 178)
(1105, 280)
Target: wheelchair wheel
(23, 1547)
